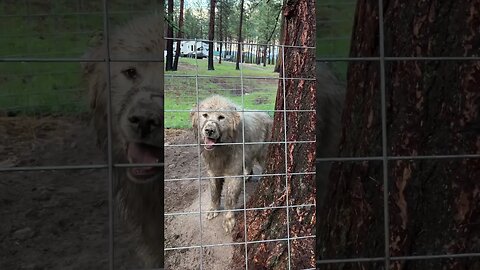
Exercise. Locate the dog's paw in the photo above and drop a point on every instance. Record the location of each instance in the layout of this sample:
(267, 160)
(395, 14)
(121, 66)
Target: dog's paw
(229, 222)
(212, 215)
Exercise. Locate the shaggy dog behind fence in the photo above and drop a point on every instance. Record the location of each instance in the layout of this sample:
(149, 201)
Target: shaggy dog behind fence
(217, 123)
(137, 125)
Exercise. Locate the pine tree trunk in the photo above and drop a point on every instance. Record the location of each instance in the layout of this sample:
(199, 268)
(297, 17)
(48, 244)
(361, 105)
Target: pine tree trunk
(271, 224)
(220, 53)
(257, 60)
(252, 55)
(281, 41)
(211, 35)
(230, 46)
(179, 35)
(264, 55)
(432, 109)
(270, 54)
(273, 50)
(169, 60)
(220, 27)
(239, 45)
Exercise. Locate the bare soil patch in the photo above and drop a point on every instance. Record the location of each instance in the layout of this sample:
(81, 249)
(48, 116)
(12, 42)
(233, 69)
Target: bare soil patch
(59, 219)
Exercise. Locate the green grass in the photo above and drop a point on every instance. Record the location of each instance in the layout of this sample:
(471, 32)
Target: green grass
(181, 93)
(260, 100)
(41, 88)
(48, 87)
(334, 28)
(224, 69)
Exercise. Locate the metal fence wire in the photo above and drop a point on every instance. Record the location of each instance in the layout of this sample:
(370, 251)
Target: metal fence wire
(268, 83)
(385, 157)
(200, 88)
(197, 99)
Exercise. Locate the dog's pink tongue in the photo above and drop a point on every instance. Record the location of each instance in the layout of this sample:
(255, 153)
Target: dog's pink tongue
(139, 153)
(209, 141)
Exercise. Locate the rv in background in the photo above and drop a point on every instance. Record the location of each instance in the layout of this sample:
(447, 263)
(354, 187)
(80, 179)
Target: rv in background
(187, 49)
(229, 52)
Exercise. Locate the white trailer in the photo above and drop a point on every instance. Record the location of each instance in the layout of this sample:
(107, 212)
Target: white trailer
(188, 48)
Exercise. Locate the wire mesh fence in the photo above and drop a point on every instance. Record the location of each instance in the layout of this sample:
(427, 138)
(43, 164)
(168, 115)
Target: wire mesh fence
(47, 76)
(41, 74)
(254, 94)
(44, 44)
(385, 258)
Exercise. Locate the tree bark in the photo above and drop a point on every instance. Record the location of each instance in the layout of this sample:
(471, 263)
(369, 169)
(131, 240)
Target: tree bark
(169, 60)
(179, 35)
(273, 50)
(239, 46)
(220, 53)
(230, 46)
(281, 41)
(432, 109)
(211, 35)
(272, 191)
(264, 55)
(257, 56)
(270, 53)
(220, 30)
(252, 54)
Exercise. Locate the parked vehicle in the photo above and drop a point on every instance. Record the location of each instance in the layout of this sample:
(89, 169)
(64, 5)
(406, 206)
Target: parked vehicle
(229, 57)
(187, 48)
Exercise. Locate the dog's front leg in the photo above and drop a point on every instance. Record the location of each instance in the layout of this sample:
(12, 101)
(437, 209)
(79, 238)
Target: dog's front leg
(215, 194)
(233, 187)
(248, 173)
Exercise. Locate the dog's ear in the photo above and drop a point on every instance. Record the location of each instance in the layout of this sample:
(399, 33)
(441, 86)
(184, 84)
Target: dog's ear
(94, 74)
(88, 68)
(97, 49)
(194, 120)
(236, 122)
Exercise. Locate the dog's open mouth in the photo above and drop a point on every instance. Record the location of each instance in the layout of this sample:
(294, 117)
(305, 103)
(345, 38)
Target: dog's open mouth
(209, 143)
(143, 154)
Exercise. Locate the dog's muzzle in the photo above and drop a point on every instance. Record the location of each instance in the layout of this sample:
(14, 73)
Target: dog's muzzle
(144, 133)
(211, 135)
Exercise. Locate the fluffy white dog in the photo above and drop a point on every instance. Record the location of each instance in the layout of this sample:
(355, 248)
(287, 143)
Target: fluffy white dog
(218, 123)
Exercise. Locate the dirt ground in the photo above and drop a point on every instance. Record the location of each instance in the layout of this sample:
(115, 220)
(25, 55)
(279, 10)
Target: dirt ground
(59, 219)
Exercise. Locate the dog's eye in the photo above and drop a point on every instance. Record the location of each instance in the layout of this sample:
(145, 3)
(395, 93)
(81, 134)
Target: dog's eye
(220, 117)
(205, 115)
(130, 73)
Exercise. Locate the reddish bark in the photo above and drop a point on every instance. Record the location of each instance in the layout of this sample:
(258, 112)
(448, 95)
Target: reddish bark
(432, 109)
(300, 95)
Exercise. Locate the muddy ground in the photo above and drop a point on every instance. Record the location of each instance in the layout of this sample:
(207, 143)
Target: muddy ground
(59, 219)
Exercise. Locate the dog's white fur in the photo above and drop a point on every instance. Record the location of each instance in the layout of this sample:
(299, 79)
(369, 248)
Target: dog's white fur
(217, 122)
(136, 90)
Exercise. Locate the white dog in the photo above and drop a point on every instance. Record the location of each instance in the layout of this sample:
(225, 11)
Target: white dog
(218, 123)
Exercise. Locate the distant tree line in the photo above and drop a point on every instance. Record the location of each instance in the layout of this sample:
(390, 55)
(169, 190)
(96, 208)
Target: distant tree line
(226, 22)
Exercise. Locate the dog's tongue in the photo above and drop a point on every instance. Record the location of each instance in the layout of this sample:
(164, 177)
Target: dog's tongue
(209, 141)
(140, 153)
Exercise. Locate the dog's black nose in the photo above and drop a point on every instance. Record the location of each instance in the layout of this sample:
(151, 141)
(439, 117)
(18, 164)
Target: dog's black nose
(209, 131)
(143, 124)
